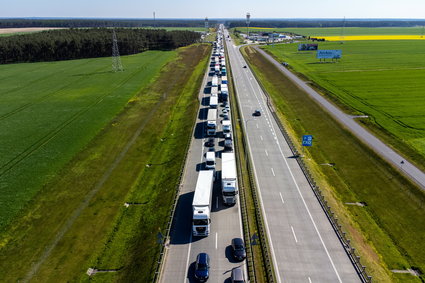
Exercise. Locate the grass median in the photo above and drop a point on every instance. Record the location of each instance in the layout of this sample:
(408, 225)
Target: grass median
(388, 232)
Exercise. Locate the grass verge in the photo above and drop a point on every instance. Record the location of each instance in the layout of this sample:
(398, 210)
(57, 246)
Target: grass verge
(104, 233)
(388, 232)
(381, 79)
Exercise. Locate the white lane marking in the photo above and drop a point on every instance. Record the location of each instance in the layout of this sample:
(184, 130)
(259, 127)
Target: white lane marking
(309, 279)
(261, 137)
(216, 237)
(281, 197)
(257, 125)
(273, 172)
(187, 261)
(266, 152)
(299, 192)
(295, 236)
(262, 206)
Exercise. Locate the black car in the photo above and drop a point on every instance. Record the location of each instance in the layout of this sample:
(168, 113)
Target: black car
(209, 142)
(238, 248)
(257, 113)
(244, 66)
(202, 267)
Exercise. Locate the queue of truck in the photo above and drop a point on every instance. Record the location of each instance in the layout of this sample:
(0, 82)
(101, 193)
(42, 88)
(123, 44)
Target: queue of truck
(202, 199)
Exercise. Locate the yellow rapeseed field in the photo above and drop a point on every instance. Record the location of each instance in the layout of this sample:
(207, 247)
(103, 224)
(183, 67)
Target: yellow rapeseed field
(372, 37)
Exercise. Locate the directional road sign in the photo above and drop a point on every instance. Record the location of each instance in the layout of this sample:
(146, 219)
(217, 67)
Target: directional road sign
(307, 140)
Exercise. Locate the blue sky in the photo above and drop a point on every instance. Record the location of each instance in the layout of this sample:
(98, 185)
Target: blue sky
(214, 9)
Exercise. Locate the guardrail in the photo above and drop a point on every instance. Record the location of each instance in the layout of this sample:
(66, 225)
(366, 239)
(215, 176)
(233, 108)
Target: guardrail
(164, 247)
(351, 252)
(258, 212)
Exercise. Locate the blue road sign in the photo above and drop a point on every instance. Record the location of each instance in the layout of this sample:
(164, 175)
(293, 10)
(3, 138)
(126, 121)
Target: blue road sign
(307, 140)
(254, 239)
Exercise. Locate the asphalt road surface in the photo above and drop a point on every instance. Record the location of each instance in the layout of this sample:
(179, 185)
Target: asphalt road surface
(225, 221)
(410, 170)
(304, 245)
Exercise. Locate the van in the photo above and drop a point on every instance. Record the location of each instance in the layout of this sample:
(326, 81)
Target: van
(210, 160)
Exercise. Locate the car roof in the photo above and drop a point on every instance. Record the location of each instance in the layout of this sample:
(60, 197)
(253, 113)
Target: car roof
(202, 258)
(237, 241)
(237, 273)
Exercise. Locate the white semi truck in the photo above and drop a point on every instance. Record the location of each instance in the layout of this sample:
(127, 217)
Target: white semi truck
(213, 101)
(211, 122)
(214, 81)
(201, 204)
(229, 178)
(214, 91)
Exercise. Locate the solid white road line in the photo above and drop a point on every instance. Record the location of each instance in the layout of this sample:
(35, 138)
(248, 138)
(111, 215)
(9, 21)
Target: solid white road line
(299, 192)
(309, 280)
(216, 237)
(266, 152)
(295, 236)
(281, 197)
(273, 172)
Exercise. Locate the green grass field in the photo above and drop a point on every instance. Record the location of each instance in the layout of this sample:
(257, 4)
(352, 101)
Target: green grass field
(338, 31)
(382, 79)
(389, 231)
(91, 189)
(50, 111)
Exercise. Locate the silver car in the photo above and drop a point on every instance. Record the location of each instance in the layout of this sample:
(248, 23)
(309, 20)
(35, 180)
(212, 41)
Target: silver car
(237, 275)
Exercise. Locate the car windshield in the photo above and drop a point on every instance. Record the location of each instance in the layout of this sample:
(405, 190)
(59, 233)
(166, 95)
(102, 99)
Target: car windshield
(200, 222)
(202, 266)
(239, 247)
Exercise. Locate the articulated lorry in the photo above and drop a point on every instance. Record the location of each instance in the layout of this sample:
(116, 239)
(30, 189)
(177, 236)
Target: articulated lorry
(201, 204)
(213, 101)
(214, 81)
(211, 122)
(214, 91)
(229, 178)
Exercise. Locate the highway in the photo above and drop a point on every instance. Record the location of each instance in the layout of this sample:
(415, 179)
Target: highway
(304, 245)
(398, 161)
(225, 221)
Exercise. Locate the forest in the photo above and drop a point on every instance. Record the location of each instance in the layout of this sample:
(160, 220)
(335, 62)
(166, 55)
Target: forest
(66, 44)
(78, 23)
(325, 23)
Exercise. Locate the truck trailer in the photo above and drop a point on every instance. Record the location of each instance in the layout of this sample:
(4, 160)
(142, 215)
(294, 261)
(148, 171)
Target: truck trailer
(229, 178)
(213, 101)
(214, 81)
(201, 204)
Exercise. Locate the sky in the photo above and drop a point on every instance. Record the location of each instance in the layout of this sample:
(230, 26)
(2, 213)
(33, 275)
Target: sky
(214, 9)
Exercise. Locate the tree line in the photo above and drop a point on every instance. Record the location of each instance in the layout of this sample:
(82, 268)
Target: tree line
(317, 23)
(65, 44)
(78, 23)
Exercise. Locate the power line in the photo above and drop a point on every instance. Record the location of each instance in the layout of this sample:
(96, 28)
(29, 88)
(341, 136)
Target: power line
(116, 59)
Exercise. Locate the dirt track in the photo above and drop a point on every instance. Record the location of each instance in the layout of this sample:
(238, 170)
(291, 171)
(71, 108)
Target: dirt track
(16, 30)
